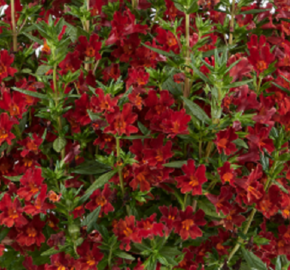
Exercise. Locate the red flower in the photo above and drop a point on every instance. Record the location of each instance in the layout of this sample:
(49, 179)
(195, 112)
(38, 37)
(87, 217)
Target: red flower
(156, 154)
(252, 190)
(221, 202)
(268, 205)
(126, 232)
(187, 225)
(224, 141)
(175, 122)
(168, 40)
(99, 198)
(5, 65)
(260, 137)
(31, 233)
(89, 258)
(121, 122)
(169, 215)
(11, 212)
(193, 179)
(5, 128)
(31, 182)
(61, 261)
(261, 57)
(71, 63)
(14, 103)
(233, 218)
(227, 174)
(137, 77)
(157, 105)
(30, 145)
(39, 205)
(103, 103)
(91, 48)
(148, 228)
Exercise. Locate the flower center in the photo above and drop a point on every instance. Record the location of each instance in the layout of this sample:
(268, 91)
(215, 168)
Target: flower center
(186, 224)
(120, 126)
(176, 127)
(227, 177)
(90, 52)
(159, 156)
(223, 143)
(101, 200)
(127, 231)
(12, 213)
(33, 188)
(3, 134)
(193, 181)
(31, 232)
(3, 68)
(261, 65)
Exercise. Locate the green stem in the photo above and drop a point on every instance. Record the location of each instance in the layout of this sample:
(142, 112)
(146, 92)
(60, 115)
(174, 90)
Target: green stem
(232, 22)
(185, 201)
(186, 91)
(14, 32)
(120, 172)
(56, 102)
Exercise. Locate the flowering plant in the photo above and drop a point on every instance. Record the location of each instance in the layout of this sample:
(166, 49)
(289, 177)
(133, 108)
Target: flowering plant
(144, 134)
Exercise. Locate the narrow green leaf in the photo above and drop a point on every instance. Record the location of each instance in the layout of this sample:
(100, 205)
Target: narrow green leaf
(168, 54)
(13, 178)
(52, 250)
(253, 261)
(254, 11)
(124, 255)
(282, 88)
(97, 184)
(30, 93)
(91, 219)
(196, 111)
(175, 164)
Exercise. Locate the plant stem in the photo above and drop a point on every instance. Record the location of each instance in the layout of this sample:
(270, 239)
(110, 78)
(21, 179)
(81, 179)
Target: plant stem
(14, 32)
(56, 102)
(240, 240)
(120, 172)
(232, 22)
(186, 90)
(185, 201)
(250, 219)
(87, 28)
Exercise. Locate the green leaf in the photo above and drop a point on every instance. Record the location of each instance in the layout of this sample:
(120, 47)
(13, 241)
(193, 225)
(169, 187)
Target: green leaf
(13, 178)
(124, 255)
(52, 250)
(264, 161)
(278, 265)
(30, 93)
(91, 219)
(169, 251)
(237, 84)
(280, 186)
(196, 111)
(254, 11)
(282, 88)
(97, 184)
(253, 261)
(3, 147)
(175, 164)
(59, 144)
(3, 233)
(241, 143)
(33, 38)
(90, 167)
(168, 54)
(41, 70)
(209, 209)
